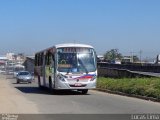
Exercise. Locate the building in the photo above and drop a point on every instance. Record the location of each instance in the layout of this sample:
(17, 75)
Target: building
(126, 59)
(100, 58)
(3, 62)
(10, 56)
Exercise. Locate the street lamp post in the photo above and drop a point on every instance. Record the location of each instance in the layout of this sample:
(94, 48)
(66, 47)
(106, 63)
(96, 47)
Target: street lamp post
(140, 53)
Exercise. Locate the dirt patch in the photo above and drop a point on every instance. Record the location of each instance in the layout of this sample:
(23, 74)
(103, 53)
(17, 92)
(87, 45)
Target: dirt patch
(12, 101)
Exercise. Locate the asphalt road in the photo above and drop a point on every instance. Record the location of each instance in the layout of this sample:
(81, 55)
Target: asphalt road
(73, 102)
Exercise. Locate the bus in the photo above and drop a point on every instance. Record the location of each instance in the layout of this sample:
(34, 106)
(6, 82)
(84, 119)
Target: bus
(67, 66)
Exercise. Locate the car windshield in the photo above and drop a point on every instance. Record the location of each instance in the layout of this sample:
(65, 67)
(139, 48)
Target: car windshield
(16, 69)
(23, 73)
(76, 60)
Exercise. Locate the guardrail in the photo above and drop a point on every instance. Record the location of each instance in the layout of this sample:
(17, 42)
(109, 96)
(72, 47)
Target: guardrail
(120, 73)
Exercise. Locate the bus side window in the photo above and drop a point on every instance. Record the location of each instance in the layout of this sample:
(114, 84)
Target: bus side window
(46, 59)
(53, 58)
(49, 59)
(53, 63)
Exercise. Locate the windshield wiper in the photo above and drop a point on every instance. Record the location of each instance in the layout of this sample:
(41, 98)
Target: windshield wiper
(83, 66)
(68, 71)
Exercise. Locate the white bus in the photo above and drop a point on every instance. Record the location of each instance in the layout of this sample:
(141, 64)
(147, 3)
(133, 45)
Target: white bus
(67, 66)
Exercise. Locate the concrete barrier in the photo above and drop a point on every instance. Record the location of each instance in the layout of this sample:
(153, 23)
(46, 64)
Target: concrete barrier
(132, 67)
(119, 73)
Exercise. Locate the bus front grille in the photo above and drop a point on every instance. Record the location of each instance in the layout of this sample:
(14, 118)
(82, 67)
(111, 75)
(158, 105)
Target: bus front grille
(77, 80)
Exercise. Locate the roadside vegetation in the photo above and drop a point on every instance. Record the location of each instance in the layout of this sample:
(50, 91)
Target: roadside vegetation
(149, 87)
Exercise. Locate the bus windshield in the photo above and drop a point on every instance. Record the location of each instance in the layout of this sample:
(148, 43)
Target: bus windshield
(76, 60)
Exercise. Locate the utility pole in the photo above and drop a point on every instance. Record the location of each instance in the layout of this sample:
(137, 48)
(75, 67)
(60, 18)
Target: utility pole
(132, 56)
(140, 55)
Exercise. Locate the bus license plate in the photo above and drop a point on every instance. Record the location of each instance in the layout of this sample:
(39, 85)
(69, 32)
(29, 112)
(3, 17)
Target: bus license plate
(78, 84)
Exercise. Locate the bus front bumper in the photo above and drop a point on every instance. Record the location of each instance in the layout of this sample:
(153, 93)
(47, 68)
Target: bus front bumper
(76, 85)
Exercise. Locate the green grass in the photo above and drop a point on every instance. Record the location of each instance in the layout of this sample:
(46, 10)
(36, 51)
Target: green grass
(149, 87)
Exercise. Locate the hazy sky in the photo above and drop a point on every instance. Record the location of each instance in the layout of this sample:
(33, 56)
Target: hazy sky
(31, 25)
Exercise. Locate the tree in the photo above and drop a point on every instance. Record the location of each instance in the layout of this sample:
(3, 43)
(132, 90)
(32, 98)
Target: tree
(112, 55)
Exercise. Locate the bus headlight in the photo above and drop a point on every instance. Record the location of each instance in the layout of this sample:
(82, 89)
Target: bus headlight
(62, 77)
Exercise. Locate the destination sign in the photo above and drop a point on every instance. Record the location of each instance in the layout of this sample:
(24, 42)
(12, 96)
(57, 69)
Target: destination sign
(74, 50)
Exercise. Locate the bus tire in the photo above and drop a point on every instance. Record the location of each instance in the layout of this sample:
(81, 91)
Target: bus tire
(39, 82)
(17, 81)
(50, 84)
(85, 91)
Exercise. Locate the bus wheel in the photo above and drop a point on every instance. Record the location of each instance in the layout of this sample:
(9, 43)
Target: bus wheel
(17, 81)
(39, 82)
(50, 85)
(84, 91)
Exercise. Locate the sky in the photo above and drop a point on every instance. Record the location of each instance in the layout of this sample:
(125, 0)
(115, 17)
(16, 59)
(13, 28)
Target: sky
(28, 26)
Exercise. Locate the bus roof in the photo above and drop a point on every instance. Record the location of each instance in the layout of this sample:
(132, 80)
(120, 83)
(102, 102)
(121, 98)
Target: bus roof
(73, 45)
(67, 45)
